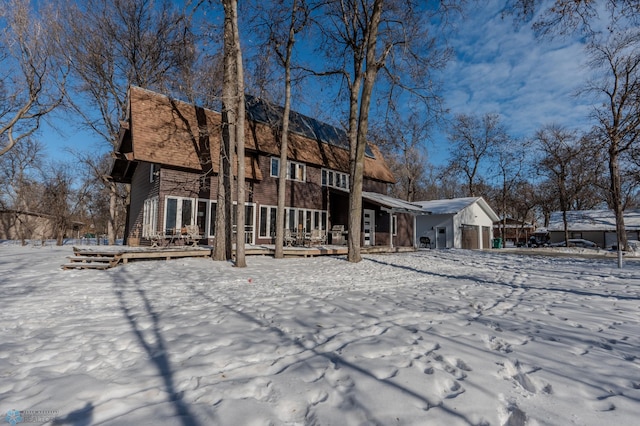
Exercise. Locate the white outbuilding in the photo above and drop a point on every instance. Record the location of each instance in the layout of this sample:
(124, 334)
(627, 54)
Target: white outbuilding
(465, 223)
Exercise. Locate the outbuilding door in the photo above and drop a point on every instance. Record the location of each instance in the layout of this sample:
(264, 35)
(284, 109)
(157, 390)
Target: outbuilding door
(441, 237)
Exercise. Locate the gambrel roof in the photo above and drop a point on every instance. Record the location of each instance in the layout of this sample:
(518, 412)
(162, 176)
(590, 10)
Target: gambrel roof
(170, 132)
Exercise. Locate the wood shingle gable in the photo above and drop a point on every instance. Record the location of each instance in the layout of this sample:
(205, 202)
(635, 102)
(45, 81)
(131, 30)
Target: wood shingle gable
(178, 134)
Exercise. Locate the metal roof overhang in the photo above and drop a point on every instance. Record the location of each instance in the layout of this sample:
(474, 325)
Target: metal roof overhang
(389, 204)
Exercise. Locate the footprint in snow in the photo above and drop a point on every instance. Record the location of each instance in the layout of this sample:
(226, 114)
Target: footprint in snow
(518, 374)
(454, 366)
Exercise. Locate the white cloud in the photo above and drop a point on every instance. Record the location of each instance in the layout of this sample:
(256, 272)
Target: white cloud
(504, 69)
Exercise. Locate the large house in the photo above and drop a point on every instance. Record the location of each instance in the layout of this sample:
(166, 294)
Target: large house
(168, 152)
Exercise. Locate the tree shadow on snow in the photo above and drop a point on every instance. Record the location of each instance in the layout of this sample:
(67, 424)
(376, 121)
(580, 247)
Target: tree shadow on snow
(511, 285)
(333, 357)
(129, 295)
(80, 417)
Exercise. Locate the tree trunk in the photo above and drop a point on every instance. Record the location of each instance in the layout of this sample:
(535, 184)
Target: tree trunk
(616, 196)
(357, 151)
(240, 109)
(224, 216)
(284, 141)
(113, 199)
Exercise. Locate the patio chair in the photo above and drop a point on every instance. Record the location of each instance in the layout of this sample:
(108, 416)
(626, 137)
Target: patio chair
(288, 238)
(318, 236)
(192, 235)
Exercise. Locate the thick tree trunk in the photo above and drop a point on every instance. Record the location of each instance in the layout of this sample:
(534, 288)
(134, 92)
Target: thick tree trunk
(240, 109)
(224, 216)
(616, 198)
(357, 150)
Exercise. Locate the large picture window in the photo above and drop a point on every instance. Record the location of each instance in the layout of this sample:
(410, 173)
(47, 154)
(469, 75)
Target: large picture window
(294, 219)
(179, 212)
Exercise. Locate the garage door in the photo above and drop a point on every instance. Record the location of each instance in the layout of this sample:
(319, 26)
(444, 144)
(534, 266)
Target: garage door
(486, 232)
(470, 237)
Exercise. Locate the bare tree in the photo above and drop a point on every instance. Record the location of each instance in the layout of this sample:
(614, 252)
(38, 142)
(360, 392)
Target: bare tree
(567, 16)
(280, 22)
(233, 122)
(508, 157)
(113, 44)
(18, 176)
(473, 141)
(361, 39)
(566, 162)
(402, 138)
(618, 116)
(62, 197)
(31, 75)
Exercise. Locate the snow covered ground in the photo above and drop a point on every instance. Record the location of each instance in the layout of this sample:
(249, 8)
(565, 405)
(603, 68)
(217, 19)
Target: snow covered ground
(448, 337)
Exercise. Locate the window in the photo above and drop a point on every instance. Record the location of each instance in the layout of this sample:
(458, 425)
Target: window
(295, 171)
(267, 227)
(201, 216)
(154, 172)
(179, 212)
(293, 218)
(335, 179)
(150, 217)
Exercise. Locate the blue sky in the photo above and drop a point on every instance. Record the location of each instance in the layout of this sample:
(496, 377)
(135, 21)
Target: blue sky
(498, 68)
(502, 68)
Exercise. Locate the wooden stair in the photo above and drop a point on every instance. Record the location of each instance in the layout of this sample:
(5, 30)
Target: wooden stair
(92, 260)
(105, 259)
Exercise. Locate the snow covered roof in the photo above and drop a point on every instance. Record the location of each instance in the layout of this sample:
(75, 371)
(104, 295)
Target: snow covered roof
(456, 205)
(593, 220)
(393, 204)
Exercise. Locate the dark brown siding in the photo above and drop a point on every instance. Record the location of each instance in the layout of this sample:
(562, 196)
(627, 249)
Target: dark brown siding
(141, 189)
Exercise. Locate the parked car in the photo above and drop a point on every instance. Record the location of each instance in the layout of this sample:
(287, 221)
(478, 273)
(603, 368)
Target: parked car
(538, 240)
(576, 242)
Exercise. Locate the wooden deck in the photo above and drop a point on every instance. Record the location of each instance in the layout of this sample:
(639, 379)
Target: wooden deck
(109, 258)
(94, 258)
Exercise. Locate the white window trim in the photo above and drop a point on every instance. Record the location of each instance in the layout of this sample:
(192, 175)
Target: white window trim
(179, 224)
(306, 213)
(289, 164)
(150, 217)
(335, 176)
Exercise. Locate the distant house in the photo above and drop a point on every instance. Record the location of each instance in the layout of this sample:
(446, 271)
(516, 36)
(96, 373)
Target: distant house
(513, 231)
(164, 152)
(598, 226)
(28, 225)
(465, 223)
